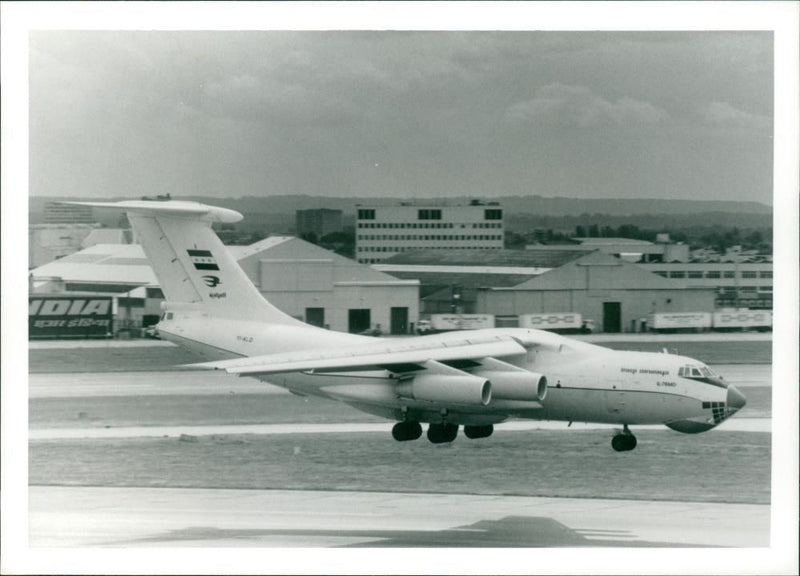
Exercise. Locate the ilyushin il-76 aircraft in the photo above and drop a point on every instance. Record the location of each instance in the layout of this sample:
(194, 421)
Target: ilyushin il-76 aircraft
(474, 379)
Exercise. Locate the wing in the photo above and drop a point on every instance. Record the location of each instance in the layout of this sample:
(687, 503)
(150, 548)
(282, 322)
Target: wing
(401, 355)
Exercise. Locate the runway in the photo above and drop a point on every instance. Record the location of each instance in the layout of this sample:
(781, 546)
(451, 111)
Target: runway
(157, 517)
(118, 425)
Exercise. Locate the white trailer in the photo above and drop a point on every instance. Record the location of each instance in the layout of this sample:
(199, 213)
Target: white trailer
(743, 319)
(461, 321)
(558, 321)
(695, 321)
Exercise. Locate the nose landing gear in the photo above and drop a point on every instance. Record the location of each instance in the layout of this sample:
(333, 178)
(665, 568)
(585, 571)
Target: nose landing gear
(625, 441)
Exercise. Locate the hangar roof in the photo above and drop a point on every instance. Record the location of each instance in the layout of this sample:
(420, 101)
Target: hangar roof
(127, 264)
(240, 252)
(605, 241)
(533, 258)
(472, 269)
(102, 263)
(599, 271)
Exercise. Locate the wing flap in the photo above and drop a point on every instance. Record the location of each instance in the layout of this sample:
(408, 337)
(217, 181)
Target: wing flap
(382, 355)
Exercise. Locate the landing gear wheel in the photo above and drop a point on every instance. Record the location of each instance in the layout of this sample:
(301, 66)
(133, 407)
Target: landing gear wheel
(474, 432)
(442, 433)
(624, 442)
(404, 431)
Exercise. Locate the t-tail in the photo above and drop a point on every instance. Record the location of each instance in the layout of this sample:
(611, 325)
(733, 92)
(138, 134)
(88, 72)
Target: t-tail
(191, 263)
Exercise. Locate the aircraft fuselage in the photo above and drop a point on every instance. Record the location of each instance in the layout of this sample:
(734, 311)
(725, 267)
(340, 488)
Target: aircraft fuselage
(585, 382)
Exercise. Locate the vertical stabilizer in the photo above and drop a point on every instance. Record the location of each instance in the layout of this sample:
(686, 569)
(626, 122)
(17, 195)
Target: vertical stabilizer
(190, 261)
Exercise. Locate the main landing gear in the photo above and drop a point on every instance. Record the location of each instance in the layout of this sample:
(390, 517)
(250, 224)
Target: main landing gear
(441, 433)
(404, 431)
(438, 433)
(625, 441)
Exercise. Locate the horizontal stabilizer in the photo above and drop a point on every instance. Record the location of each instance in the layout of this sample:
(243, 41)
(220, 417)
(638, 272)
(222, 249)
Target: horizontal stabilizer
(171, 208)
(383, 354)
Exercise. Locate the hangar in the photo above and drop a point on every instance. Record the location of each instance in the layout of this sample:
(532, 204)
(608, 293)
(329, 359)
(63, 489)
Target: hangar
(616, 295)
(304, 280)
(450, 279)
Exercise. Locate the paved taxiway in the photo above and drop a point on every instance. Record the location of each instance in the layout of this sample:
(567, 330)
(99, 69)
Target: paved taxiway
(126, 517)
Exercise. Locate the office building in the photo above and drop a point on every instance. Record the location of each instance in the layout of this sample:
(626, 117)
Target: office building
(384, 231)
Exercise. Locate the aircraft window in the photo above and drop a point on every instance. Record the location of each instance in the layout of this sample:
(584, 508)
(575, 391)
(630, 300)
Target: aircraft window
(696, 373)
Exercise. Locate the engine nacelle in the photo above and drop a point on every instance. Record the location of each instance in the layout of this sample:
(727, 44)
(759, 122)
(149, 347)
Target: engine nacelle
(516, 385)
(447, 389)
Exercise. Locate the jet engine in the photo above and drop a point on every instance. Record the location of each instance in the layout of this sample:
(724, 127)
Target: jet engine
(518, 386)
(510, 382)
(460, 388)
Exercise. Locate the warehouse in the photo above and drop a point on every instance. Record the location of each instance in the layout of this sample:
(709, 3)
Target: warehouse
(616, 295)
(304, 280)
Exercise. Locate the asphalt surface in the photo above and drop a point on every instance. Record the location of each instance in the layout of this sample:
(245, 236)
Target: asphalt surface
(136, 517)
(153, 517)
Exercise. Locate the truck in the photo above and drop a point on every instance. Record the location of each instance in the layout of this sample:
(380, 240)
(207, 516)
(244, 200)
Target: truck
(679, 321)
(730, 320)
(446, 322)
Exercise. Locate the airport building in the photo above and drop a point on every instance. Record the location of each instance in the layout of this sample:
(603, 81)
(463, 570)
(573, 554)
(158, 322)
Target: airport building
(383, 231)
(48, 242)
(617, 296)
(736, 284)
(304, 280)
(450, 279)
(644, 251)
(739, 281)
(319, 222)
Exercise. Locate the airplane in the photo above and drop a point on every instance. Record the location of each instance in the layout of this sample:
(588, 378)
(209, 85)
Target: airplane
(473, 379)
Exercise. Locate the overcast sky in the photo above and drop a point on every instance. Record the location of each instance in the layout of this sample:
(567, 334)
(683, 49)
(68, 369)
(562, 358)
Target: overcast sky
(604, 114)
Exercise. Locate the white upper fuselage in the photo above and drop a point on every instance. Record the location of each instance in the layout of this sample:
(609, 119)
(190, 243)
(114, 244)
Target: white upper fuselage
(585, 382)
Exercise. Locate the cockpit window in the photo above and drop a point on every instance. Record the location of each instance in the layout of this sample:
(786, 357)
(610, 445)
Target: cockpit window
(701, 373)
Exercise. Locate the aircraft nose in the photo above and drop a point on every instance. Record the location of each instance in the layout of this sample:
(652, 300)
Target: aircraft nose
(736, 399)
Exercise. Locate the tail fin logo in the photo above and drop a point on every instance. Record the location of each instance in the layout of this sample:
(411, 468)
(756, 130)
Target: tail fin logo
(212, 281)
(203, 260)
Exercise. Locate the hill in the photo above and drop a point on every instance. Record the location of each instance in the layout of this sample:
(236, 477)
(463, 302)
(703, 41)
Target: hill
(276, 213)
